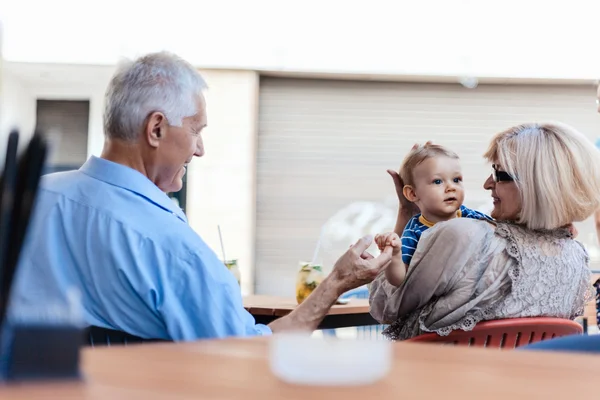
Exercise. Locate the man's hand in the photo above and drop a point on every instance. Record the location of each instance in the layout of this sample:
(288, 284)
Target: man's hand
(354, 268)
(357, 267)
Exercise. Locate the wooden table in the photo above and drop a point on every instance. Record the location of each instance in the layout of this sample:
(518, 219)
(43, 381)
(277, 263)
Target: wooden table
(238, 369)
(266, 309)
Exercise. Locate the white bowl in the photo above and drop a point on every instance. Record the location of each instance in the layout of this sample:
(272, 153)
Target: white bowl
(301, 359)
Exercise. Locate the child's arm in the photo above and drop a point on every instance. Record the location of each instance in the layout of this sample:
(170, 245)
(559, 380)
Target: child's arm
(396, 272)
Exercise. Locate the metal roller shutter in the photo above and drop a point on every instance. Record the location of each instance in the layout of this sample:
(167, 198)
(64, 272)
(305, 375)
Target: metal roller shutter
(323, 145)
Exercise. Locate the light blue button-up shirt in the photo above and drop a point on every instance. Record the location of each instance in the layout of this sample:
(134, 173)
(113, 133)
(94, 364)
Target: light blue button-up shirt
(107, 230)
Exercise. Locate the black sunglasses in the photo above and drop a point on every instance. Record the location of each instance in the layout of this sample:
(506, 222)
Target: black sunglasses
(501, 176)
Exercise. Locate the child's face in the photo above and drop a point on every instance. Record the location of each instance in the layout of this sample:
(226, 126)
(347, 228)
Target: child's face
(438, 188)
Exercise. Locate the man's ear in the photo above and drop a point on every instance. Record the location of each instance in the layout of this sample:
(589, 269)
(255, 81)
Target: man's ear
(155, 128)
(409, 193)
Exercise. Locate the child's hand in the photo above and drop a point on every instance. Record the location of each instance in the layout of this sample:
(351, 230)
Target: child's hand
(391, 239)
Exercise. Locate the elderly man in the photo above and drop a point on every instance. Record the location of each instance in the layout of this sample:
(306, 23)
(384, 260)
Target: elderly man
(110, 230)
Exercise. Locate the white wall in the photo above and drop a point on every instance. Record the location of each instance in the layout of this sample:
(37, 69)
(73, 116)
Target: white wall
(26, 83)
(511, 38)
(93, 95)
(17, 109)
(221, 185)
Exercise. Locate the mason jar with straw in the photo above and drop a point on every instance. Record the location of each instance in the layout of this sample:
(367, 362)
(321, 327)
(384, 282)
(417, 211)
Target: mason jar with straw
(310, 274)
(231, 265)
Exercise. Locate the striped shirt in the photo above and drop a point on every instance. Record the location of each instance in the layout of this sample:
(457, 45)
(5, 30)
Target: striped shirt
(419, 224)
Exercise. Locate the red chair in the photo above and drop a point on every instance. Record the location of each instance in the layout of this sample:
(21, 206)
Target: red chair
(506, 333)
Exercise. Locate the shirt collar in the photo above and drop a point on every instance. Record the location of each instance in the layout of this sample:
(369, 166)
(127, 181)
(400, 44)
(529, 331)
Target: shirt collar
(429, 224)
(129, 179)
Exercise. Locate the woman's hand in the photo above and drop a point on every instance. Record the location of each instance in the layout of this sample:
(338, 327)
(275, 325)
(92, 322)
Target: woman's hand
(573, 230)
(405, 206)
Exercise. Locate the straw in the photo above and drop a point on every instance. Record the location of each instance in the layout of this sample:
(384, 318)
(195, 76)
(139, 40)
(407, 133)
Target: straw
(316, 253)
(222, 246)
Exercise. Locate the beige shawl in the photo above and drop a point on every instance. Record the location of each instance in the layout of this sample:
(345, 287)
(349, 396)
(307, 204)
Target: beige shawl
(467, 270)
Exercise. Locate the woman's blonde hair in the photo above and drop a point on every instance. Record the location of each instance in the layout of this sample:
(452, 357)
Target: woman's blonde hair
(557, 171)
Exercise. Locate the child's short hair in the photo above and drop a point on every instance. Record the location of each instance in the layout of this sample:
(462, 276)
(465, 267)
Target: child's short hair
(419, 154)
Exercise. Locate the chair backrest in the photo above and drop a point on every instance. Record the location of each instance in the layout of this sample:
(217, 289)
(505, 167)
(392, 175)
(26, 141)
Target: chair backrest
(373, 332)
(507, 333)
(98, 336)
(597, 298)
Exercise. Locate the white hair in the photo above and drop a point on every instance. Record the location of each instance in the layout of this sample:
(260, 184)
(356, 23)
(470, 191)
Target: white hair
(156, 82)
(557, 171)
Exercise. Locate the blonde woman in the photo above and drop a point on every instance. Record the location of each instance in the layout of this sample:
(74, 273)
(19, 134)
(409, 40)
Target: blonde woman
(525, 264)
